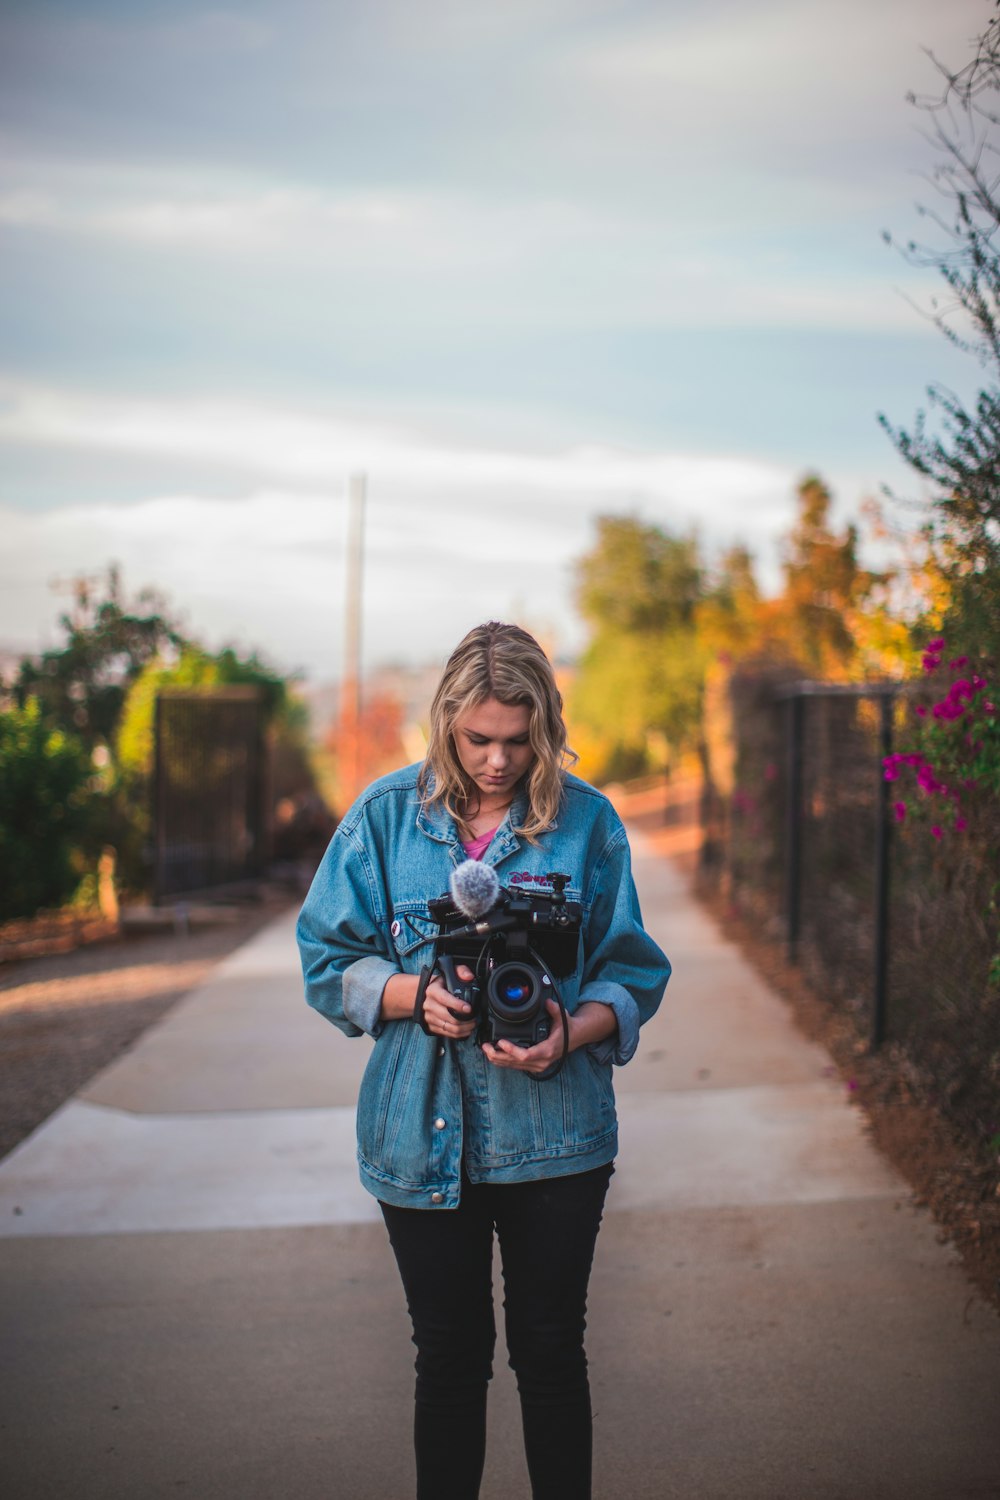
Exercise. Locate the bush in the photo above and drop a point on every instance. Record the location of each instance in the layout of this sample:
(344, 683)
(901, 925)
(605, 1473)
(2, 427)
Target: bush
(44, 811)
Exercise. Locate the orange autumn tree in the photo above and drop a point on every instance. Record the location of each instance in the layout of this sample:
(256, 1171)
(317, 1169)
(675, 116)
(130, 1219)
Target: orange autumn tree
(365, 745)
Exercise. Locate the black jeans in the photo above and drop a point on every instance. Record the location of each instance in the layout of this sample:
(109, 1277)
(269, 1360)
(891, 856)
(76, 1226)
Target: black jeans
(547, 1231)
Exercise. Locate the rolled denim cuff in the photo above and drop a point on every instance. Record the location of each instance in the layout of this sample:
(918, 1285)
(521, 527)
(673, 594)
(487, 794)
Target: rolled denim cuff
(363, 983)
(620, 1046)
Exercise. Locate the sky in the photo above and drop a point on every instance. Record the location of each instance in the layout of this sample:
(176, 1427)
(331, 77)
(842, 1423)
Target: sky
(522, 264)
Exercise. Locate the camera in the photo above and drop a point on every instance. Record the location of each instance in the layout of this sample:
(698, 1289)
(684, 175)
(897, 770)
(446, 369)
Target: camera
(516, 949)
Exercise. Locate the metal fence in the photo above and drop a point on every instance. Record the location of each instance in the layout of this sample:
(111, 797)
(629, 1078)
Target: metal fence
(210, 790)
(891, 925)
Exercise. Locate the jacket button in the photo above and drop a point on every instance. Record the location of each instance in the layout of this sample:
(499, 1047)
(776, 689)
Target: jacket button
(440, 1052)
(437, 1197)
(439, 1123)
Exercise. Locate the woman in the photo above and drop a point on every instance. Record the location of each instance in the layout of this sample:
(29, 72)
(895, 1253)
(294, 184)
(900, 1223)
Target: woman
(455, 1139)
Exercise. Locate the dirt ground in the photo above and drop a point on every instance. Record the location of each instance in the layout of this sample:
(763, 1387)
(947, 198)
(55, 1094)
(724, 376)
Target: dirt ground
(65, 1016)
(961, 1189)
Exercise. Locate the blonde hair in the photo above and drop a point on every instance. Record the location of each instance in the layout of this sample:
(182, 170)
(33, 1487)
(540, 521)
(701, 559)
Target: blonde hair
(506, 663)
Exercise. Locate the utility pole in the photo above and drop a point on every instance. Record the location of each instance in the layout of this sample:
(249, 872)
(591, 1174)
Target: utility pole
(350, 700)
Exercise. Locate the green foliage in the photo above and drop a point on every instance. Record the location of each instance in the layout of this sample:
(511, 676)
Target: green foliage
(638, 580)
(93, 700)
(193, 668)
(642, 676)
(45, 810)
(82, 685)
(197, 668)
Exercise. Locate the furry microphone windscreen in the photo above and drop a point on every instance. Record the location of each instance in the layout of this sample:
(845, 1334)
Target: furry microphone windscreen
(475, 888)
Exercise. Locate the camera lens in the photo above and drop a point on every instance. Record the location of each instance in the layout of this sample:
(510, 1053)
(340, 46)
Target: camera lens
(514, 990)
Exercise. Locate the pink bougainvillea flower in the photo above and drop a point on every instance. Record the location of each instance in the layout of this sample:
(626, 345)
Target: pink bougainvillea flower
(958, 663)
(937, 831)
(899, 808)
(961, 824)
(928, 781)
(937, 645)
(921, 710)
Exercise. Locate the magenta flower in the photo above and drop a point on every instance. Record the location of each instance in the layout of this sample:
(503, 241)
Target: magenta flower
(928, 781)
(937, 831)
(958, 663)
(961, 824)
(937, 645)
(899, 808)
(921, 710)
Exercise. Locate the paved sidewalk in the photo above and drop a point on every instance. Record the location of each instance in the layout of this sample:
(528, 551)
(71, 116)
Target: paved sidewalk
(197, 1296)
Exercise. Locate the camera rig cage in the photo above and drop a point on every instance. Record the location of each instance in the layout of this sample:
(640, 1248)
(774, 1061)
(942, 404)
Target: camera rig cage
(537, 924)
(528, 936)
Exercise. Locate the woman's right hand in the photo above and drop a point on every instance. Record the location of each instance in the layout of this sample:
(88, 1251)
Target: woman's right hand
(444, 1012)
(399, 998)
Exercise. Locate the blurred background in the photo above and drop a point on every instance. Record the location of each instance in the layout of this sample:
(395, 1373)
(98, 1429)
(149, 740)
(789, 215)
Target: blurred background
(329, 330)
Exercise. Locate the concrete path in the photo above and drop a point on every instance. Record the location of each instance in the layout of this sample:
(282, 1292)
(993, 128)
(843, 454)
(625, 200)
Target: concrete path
(197, 1297)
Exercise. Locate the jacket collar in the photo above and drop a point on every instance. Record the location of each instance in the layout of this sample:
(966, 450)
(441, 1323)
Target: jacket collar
(435, 823)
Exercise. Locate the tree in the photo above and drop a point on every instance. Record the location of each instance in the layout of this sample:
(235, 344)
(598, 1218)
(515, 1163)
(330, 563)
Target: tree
(954, 444)
(641, 677)
(638, 578)
(81, 687)
(826, 589)
(44, 812)
(373, 741)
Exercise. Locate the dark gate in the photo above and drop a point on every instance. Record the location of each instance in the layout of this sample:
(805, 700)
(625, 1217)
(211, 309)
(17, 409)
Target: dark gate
(210, 808)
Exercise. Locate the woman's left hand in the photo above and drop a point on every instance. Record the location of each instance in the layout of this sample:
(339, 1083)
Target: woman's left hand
(535, 1059)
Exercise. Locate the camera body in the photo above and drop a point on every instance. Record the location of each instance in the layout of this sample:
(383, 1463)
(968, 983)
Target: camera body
(515, 949)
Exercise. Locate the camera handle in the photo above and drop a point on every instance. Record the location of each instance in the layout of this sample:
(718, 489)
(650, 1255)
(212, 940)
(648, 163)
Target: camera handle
(444, 965)
(462, 989)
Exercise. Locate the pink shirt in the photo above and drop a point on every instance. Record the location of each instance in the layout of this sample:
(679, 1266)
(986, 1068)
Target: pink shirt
(478, 846)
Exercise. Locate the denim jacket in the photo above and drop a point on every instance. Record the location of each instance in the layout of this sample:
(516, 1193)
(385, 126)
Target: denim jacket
(426, 1104)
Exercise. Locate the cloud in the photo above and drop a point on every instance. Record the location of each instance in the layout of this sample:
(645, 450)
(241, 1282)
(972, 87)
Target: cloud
(313, 444)
(444, 259)
(451, 531)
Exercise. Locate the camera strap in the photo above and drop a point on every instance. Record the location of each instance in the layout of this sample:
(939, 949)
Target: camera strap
(555, 1068)
(418, 1004)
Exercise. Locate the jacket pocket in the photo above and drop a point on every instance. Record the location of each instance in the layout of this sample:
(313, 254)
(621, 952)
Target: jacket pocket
(411, 932)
